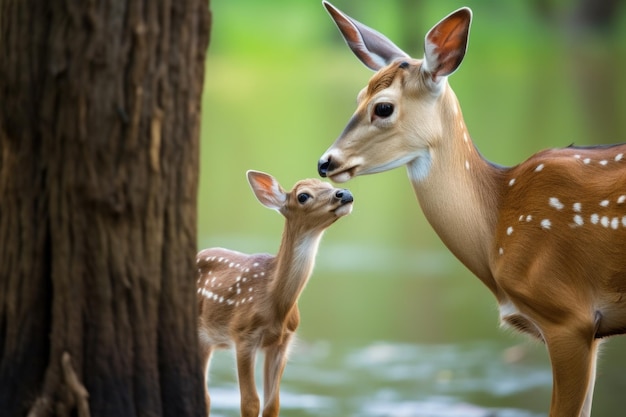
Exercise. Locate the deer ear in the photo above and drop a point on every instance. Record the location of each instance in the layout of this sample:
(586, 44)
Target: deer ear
(446, 43)
(371, 47)
(267, 190)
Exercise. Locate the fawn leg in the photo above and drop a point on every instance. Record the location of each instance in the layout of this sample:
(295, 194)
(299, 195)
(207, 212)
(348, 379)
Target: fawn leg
(250, 404)
(205, 356)
(275, 361)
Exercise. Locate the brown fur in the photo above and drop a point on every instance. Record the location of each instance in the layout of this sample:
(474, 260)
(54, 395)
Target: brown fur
(382, 79)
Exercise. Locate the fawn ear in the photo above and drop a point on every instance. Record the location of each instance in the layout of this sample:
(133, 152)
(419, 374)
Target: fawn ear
(370, 46)
(267, 190)
(446, 43)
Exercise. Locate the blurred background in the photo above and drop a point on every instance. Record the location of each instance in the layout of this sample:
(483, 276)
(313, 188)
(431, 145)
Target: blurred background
(392, 323)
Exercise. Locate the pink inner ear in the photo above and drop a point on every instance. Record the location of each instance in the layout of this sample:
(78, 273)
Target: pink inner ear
(267, 190)
(451, 33)
(447, 42)
(266, 183)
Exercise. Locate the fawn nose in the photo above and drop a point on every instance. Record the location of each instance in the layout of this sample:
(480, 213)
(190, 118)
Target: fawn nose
(323, 166)
(345, 196)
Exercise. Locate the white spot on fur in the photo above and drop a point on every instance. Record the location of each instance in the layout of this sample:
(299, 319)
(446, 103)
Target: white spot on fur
(577, 156)
(511, 182)
(546, 223)
(501, 251)
(586, 160)
(578, 220)
(539, 167)
(509, 230)
(521, 218)
(577, 207)
(615, 223)
(467, 165)
(206, 293)
(604, 162)
(604, 221)
(554, 202)
(621, 199)
(594, 218)
(604, 203)
(529, 218)
(619, 157)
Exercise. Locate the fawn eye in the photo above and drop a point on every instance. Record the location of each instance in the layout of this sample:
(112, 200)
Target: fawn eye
(383, 110)
(303, 197)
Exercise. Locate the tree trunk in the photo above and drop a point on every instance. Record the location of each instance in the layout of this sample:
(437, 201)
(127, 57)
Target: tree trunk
(99, 128)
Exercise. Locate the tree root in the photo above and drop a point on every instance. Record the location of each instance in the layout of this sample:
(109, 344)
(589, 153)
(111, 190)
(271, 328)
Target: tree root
(75, 395)
(76, 388)
(41, 407)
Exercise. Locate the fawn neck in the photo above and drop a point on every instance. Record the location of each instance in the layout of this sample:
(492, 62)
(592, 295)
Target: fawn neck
(294, 264)
(460, 194)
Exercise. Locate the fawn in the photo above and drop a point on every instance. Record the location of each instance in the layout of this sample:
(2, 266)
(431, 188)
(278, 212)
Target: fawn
(250, 301)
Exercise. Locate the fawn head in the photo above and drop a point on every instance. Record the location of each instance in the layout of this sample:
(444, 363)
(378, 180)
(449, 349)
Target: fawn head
(314, 203)
(398, 116)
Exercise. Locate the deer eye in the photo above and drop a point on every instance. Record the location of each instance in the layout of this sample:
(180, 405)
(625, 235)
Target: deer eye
(383, 110)
(303, 197)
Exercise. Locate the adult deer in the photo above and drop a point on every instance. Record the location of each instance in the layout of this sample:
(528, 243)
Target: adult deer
(251, 300)
(547, 237)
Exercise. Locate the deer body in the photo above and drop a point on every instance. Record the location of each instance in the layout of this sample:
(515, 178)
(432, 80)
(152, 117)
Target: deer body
(547, 237)
(250, 301)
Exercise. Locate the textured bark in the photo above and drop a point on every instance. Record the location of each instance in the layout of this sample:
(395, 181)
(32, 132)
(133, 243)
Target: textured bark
(99, 129)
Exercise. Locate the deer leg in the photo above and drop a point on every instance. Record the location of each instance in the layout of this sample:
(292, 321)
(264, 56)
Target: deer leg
(573, 355)
(275, 361)
(250, 404)
(205, 357)
(586, 412)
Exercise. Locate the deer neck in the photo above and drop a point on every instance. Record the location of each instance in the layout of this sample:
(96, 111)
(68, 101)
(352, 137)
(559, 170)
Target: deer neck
(295, 261)
(459, 192)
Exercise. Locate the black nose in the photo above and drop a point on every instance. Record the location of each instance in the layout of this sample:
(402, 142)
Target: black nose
(322, 167)
(345, 196)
